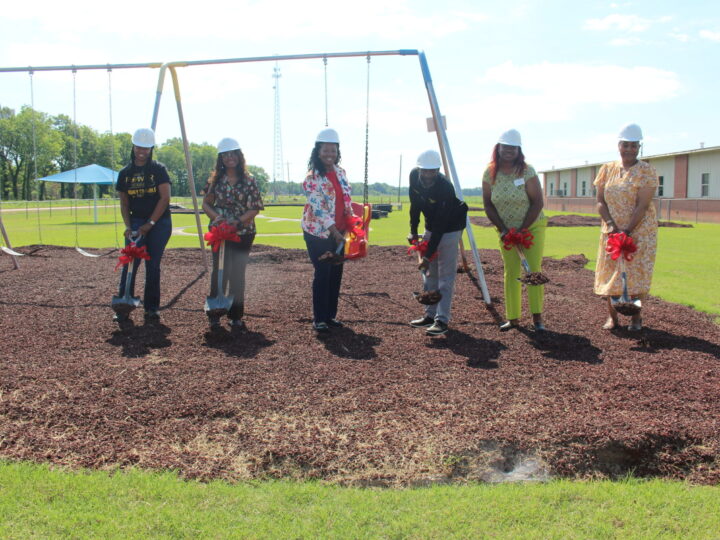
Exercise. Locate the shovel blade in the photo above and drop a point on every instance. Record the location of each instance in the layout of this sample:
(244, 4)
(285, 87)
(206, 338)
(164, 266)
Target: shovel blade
(125, 304)
(626, 306)
(217, 306)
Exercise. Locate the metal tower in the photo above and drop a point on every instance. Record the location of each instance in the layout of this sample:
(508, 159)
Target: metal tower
(277, 138)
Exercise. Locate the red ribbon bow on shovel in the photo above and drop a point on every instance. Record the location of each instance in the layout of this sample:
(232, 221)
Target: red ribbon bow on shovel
(621, 244)
(220, 232)
(513, 237)
(131, 252)
(421, 248)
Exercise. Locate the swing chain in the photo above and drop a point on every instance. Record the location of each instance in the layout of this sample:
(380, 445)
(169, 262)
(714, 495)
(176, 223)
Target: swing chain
(34, 141)
(367, 132)
(326, 91)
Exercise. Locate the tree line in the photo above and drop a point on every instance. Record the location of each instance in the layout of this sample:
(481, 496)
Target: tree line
(34, 144)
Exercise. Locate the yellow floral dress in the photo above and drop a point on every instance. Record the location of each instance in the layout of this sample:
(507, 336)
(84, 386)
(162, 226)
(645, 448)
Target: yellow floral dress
(621, 189)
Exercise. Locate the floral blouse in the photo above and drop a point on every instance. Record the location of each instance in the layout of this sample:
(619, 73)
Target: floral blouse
(319, 212)
(231, 202)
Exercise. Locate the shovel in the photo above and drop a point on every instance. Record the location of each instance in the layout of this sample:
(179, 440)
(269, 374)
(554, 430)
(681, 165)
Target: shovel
(336, 257)
(125, 304)
(624, 304)
(427, 298)
(528, 277)
(219, 305)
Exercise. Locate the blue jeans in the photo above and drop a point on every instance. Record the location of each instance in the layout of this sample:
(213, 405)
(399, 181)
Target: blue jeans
(326, 282)
(156, 240)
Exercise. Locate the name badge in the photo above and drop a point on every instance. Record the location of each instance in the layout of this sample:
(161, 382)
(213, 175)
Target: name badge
(519, 182)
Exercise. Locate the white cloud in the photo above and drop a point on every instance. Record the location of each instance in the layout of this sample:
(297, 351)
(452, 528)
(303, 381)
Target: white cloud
(678, 36)
(708, 34)
(553, 93)
(578, 83)
(626, 41)
(615, 21)
(625, 23)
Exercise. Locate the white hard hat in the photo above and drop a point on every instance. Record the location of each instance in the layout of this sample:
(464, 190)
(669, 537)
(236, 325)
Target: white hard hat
(144, 138)
(328, 135)
(631, 133)
(227, 144)
(429, 159)
(511, 138)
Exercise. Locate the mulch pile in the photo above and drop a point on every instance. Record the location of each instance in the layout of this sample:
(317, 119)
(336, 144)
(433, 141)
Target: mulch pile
(571, 220)
(374, 403)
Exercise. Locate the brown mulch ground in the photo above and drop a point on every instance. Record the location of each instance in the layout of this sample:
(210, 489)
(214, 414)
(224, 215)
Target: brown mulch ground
(374, 403)
(571, 220)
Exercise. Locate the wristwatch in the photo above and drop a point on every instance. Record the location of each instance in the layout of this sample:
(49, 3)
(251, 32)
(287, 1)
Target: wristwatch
(151, 222)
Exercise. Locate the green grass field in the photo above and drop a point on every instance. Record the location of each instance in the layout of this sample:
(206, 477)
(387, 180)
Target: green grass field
(40, 502)
(686, 261)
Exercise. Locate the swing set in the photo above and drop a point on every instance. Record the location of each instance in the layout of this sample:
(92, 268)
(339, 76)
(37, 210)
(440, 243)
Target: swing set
(172, 67)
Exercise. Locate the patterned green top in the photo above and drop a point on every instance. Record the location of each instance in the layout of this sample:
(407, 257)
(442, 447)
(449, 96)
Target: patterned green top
(509, 196)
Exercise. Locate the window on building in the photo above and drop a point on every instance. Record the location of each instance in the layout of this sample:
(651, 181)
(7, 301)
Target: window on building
(552, 189)
(583, 188)
(565, 189)
(705, 185)
(661, 185)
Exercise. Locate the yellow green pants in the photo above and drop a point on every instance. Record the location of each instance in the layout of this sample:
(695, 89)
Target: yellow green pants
(513, 268)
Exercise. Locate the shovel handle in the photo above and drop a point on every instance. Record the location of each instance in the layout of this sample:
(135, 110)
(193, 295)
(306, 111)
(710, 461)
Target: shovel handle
(523, 259)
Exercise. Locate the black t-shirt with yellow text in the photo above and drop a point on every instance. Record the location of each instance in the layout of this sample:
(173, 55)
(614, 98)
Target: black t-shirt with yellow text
(141, 185)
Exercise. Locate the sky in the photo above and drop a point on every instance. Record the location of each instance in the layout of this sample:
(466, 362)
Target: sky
(567, 75)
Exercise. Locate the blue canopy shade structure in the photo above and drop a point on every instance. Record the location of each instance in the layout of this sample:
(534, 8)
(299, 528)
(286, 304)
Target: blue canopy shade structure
(90, 174)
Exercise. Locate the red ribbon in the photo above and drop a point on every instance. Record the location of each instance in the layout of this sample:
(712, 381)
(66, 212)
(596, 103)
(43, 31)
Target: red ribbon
(220, 232)
(421, 248)
(131, 252)
(523, 238)
(621, 244)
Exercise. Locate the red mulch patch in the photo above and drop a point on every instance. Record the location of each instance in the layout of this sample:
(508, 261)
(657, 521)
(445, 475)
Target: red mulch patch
(571, 220)
(376, 402)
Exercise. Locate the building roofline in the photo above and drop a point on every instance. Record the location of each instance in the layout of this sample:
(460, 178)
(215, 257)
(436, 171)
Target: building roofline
(643, 158)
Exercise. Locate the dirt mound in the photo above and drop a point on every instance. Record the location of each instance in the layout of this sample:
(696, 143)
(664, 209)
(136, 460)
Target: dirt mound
(374, 403)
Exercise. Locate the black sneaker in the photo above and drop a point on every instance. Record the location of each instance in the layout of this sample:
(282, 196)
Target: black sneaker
(152, 315)
(237, 325)
(321, 327)
(437, 329)
(423, 322)
(214, 323)
(120, 318)
(334, 323)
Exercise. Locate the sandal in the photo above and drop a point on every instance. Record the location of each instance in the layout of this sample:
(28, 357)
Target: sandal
(610, 324)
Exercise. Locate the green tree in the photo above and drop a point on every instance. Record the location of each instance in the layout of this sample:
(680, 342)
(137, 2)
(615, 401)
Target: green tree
(261, 177)
(18, 155)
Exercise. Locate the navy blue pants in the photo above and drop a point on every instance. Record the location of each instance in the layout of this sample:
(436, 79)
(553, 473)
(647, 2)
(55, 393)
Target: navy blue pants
(155, 241)
(327, 278)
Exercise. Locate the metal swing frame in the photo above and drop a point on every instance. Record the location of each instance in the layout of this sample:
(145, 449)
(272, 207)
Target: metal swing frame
(443, 142)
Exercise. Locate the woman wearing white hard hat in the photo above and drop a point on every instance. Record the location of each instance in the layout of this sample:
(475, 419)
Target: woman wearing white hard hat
(143, 187)
(625, 190)
(323, 222)
(513, 199)
(433, 196)
(232, 196)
